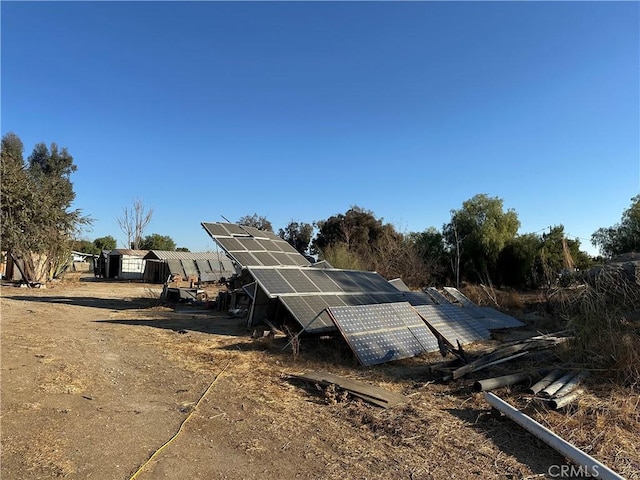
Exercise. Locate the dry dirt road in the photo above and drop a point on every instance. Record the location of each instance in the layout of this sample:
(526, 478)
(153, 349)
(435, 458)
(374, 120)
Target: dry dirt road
(96, 378)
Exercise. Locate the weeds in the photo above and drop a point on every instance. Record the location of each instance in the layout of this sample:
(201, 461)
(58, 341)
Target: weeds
(605, 318)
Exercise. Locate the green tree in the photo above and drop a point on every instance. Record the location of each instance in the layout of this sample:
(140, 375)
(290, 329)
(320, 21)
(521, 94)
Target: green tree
(182, 249)
(478, 232)
(38, 223)
(298, 235)
(105, 243)
(429, 245)
(157, 242)
(358, 229)
(623, 237)
(85, 246)
(256, 221)
(519, 261)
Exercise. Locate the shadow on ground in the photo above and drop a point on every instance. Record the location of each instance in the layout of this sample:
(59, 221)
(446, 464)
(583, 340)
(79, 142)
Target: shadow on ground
(109, 303)
(183, 322)
(510, 438)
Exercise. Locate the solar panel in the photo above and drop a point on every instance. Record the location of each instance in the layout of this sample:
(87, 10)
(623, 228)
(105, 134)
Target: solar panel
(437, 296)
(266, 259)
(383, 332)
(459, 315)
(252, 245)
(231, 244)
(494, 319)
(322, 280)
(215, 229)
(267, 248)
(299, 279)
(400, 285)
(451, 330)
(235, 229)
(297, 259)
(271, 281)
(269, 245)
(309, 313)
(417, 298)
(244, 258)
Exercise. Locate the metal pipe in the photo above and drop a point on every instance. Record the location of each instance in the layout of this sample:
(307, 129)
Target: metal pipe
(497, 382)
(571, 384)
(559, 402)
(557, 385)
(545, 382)
(577, 456)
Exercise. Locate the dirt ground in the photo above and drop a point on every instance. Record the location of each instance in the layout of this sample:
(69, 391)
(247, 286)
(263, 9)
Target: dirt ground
(96, 377)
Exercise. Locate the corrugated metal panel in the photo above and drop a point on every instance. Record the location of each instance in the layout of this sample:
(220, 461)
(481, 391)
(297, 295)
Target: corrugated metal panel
(128, 251)
(171, 255)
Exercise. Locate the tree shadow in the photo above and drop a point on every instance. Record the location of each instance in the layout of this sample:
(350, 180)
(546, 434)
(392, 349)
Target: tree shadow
(195, 321)
(108, 303)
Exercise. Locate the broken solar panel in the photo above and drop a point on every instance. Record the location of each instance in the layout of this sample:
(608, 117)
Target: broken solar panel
(249, 246)
(453, 328)
(383, 332)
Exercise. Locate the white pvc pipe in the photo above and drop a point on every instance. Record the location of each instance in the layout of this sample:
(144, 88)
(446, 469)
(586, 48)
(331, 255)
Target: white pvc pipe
(577, 456)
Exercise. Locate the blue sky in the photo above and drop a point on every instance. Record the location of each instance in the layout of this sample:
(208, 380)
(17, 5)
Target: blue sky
(300, 110)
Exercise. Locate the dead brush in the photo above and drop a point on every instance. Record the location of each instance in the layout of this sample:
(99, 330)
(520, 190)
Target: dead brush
(604, 319)
(604, 425)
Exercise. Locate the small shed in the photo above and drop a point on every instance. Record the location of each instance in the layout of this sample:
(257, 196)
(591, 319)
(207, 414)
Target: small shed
(126, 264)
(207, 266)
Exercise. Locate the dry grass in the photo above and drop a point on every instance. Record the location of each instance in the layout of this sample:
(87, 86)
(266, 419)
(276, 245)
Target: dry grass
(604, 317)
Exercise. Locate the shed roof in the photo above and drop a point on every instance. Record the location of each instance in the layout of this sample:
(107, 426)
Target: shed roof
(173, 255)
(128, 251)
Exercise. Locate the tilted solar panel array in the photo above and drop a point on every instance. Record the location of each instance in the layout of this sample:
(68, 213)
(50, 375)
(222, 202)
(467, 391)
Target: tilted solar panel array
(383, 332)
(278, 282)
(306, 292)
(249, 246)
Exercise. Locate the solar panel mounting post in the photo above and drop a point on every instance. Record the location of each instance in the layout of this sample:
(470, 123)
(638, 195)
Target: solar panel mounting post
(304, 328)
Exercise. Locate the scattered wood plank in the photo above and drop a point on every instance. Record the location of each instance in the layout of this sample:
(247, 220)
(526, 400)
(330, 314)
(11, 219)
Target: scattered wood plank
(370, 393)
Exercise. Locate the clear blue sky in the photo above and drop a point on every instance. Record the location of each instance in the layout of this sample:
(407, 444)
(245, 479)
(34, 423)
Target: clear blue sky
(300, 110)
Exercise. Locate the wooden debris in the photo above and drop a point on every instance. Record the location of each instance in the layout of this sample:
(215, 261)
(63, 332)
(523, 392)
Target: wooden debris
(370, 393)
(508, 352)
